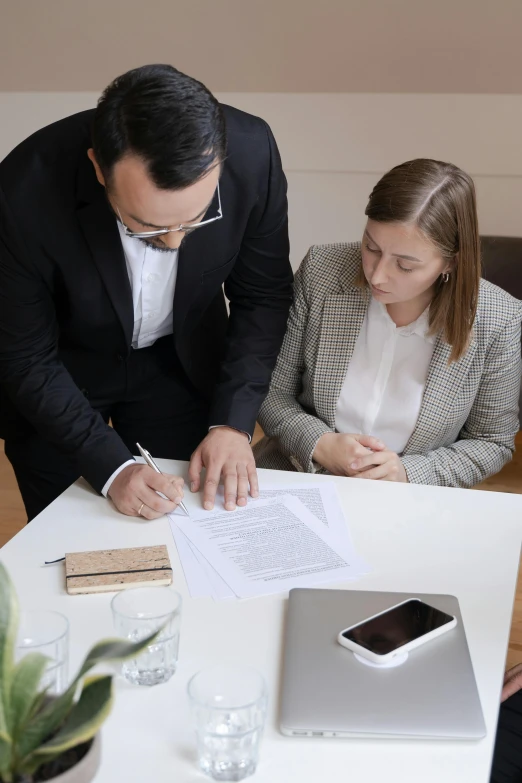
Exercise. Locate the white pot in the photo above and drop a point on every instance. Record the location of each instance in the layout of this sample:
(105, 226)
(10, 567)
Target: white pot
(86, 769)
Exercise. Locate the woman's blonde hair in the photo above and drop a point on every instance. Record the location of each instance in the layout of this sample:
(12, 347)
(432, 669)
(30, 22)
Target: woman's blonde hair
(440, 200)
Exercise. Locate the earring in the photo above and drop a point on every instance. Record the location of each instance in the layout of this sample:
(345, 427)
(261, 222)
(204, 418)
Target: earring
(445, 277)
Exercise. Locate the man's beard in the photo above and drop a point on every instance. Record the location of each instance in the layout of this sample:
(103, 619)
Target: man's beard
(160, 248)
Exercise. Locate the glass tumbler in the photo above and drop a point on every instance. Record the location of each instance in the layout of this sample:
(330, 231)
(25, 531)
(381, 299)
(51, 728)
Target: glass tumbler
(136, 614)
(228, 706)
(46, 632)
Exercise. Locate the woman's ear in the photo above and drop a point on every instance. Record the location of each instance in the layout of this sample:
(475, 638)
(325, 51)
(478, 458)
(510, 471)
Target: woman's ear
(450, 265)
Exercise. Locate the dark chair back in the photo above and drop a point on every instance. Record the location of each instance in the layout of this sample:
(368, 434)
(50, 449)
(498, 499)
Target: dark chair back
(502, 265)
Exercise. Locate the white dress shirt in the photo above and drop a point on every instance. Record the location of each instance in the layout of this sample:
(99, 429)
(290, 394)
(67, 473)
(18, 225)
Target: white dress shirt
(384, 384)
(152, 275)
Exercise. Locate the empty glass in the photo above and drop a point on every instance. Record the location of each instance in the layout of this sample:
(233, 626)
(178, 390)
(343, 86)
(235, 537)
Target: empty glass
(229, 707)
(46, 632)
(138, 613)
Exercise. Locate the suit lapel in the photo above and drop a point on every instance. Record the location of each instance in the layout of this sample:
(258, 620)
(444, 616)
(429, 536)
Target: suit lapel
(101, 233)
(192, 256)
(342, 319)
(442, 386)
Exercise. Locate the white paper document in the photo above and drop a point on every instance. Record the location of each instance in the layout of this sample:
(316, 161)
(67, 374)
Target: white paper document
(320, 498)
(270, 546)
(201, 578)
(195, 576)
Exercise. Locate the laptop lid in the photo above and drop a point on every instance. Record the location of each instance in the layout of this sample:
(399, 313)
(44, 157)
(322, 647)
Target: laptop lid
(326, 691)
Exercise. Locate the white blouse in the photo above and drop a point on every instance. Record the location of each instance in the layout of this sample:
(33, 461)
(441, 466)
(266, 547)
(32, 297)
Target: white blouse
(384, 384)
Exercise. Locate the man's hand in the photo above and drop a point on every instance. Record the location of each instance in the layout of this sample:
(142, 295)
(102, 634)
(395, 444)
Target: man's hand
(512, 681)
(135, 488)
(386, 465)
(336, 452)
(226, 453)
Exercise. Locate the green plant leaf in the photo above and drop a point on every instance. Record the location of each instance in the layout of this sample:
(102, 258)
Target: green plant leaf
(4, 729)
(8, 630)
(87, 716)
(38, 703)
(44, 724)
(114, 650)
(5, 758)
(84, 721)
(24, 689)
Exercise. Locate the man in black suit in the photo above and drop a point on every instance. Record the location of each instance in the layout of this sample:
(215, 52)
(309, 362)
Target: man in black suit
(507, 757)
(118, 229)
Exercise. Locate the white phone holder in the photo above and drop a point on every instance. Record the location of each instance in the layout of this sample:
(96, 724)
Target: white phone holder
(397, 660)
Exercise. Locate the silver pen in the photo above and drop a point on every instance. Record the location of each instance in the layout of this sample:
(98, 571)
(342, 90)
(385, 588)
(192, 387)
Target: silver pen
(150, 462)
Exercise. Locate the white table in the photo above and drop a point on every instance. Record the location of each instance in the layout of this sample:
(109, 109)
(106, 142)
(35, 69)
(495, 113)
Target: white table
(415, 538)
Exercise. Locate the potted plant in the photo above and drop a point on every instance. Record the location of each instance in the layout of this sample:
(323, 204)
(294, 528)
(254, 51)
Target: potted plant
(43, 738)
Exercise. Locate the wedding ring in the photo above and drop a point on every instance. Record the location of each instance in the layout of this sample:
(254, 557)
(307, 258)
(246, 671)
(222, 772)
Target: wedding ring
(140, 508)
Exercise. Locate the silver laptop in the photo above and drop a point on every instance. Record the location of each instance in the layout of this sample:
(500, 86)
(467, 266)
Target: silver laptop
(327, 692)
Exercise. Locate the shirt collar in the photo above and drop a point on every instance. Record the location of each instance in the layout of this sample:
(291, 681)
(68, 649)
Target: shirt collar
(420, 327)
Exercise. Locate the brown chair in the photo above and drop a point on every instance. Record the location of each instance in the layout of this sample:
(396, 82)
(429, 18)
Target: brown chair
(502, 265)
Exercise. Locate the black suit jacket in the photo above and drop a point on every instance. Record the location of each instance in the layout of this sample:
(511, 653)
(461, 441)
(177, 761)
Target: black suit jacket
(66, 313)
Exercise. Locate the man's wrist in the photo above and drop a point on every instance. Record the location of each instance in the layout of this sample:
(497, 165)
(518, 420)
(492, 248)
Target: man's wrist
(106, 487)
(220, 426)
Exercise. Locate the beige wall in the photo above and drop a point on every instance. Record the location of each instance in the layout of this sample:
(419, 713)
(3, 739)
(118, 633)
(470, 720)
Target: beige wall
(350, 87)
(428, 46)
(335, 147)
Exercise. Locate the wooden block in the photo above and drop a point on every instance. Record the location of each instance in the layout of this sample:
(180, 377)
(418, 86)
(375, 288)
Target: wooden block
(109, 570)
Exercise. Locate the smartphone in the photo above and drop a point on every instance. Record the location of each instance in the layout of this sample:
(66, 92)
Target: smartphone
(396, 630)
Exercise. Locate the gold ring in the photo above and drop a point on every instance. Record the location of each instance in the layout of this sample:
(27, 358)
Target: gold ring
(140, 508)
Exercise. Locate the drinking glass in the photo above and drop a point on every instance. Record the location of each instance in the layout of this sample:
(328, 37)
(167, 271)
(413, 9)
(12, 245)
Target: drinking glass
(46, 632)
(228, 706)
(136, 614)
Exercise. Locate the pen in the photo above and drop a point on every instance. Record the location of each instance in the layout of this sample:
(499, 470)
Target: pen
(150, 462)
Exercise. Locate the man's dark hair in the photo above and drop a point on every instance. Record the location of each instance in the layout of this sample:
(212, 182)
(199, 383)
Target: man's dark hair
(169, 120)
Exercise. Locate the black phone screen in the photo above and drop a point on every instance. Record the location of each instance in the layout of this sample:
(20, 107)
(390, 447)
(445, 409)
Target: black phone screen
(398, 626)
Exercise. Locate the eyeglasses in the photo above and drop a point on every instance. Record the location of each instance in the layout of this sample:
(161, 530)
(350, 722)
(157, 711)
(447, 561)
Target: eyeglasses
(162, 231)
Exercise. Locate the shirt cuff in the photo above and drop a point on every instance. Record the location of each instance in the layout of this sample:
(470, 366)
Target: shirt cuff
(215, 426)
(107, 485)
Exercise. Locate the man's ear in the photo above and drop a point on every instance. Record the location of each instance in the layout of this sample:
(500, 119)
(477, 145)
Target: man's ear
(97, 169)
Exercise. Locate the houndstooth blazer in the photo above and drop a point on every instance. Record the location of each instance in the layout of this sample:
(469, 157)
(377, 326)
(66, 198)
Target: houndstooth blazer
(469, 412)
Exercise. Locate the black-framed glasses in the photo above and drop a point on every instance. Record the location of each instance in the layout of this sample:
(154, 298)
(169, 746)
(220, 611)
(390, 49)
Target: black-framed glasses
(162, 231)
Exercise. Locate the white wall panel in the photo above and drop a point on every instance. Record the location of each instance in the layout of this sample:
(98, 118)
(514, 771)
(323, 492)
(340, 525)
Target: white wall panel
(367, 133)
(330, 207)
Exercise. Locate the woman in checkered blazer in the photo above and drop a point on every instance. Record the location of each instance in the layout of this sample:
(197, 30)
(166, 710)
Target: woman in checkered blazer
(399, 362)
